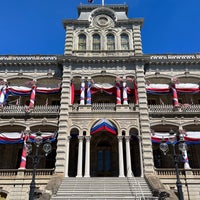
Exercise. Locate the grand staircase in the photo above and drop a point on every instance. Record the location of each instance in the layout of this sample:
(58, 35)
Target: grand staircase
(103, 188)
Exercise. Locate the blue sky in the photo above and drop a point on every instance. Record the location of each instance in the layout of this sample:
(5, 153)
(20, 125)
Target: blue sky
(35, 26)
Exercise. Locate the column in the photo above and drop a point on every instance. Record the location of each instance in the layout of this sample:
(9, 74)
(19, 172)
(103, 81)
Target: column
(125, 97)
(121, 158)
(67, 156)
(87, 157)
(175, 96)
(144, 122)
(32, 97)
(88, 102)
(80, 156)
(82, 96)
(128, 157)
(118, 94)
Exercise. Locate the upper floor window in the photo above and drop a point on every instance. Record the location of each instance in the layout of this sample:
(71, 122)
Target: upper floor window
(81, 42)
(124, 42)
(96, 42)
(110, 42)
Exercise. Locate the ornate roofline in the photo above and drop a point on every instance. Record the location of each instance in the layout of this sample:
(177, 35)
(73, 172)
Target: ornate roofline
(115, 7)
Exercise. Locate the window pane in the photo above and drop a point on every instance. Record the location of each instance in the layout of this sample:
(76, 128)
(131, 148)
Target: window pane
(124, 42)
(82, 42)
(110, 42)
(96, 42)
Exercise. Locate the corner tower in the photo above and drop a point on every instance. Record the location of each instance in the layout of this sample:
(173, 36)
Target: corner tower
(103, 31)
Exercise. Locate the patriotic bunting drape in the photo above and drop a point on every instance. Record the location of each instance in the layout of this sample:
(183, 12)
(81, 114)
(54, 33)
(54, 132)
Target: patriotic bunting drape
(104, 125)
(190, 137)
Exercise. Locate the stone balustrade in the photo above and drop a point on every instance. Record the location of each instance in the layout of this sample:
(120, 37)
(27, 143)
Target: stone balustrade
(184, 108)
(171, 172)
(26, 172)
(100, 107)
(21, 110)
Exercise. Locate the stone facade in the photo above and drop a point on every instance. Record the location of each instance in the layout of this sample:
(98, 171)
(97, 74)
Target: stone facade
(103, 115)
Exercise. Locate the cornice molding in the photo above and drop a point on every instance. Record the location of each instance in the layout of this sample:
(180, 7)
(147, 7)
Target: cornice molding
(114, 59)
(28, 60)
(174, 59)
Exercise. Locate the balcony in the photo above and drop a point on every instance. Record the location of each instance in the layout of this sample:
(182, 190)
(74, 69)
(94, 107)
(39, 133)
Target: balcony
(184, 109)
(103, 107)
(40, 110)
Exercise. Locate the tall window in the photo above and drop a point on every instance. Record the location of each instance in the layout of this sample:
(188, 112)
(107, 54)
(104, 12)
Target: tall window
(81, 42)
(110, 42)
(124, 42)
(96, 42)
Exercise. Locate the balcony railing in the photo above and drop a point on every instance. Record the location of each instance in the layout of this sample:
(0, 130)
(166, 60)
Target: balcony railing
(25, 172)
(184, 108)
(21, 110)
(172, 172)
(103, 107)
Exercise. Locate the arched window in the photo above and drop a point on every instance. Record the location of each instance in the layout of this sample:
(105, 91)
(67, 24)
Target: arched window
(124, 41)
(96, 42)
(110, 42)
(81, 42)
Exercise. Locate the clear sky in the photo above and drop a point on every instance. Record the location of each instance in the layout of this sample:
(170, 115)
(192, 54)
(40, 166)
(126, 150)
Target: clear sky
(35, 26)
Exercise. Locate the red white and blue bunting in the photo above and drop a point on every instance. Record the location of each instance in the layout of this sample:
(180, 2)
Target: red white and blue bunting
(25, 91)
(17, 137)
(190, 137)
(104, 125)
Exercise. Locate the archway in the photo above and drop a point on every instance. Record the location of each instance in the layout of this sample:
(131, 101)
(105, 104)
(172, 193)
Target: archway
(104, 160)
(104, 155)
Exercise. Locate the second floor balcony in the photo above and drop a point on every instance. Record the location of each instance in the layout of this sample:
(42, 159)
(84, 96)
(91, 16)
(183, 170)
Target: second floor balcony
(40, 110)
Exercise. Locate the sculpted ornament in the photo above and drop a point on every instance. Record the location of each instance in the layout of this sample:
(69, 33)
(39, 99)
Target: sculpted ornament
(126, 123)
(83, 124)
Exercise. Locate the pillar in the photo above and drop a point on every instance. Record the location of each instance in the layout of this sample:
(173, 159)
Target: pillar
(118, 94)
(144, 122)
(80, 156)
(67, 156)
(121, 158)
(82, 95)
(87, 157)
(128, 157)
(125, 97)
(89, 98)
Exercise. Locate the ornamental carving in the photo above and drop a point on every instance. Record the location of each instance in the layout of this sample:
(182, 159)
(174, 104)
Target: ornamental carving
(103, 21)
(124, 124)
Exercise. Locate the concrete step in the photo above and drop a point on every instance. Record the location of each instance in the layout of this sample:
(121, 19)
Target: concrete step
(103, 188)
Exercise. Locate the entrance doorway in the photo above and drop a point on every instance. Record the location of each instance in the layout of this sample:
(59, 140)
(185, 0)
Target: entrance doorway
(104, 155)
(103, 159)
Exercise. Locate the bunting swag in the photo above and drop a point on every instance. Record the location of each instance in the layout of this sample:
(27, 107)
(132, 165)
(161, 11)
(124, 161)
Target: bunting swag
(24, 154)
(72, 93)
(189, 137)
(17, 138)
(3, 95)
(157, 89)
(184, 88)
(32, 98)
(25, 91)
(104, 125)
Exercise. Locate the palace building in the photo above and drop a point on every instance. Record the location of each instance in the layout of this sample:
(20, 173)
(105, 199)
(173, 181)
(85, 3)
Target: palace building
(105, 108)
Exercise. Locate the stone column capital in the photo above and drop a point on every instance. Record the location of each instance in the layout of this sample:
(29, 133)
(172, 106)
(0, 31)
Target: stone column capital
(127, 138)
(80, 138)
(120, 137)
(87, 138)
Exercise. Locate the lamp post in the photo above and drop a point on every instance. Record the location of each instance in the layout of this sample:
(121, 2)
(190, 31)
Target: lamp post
(175, 139)
(38, 141)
